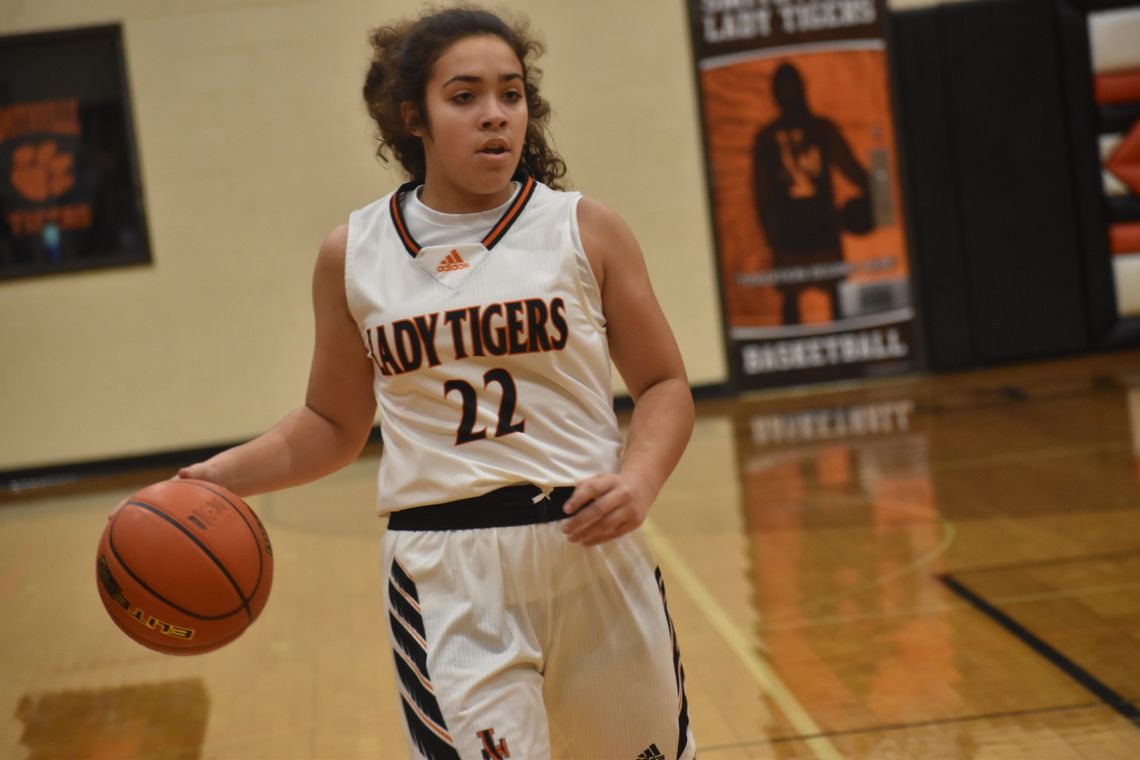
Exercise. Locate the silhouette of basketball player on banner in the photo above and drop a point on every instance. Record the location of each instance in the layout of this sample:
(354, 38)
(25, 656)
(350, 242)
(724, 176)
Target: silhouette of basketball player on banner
(795, 204)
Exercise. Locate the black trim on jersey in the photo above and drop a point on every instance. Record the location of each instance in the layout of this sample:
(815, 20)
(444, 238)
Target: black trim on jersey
(404, 581)
(497, 231)
(407, 643)
(420, 694)
(678, 672)
(511, 216)
(404, 609)
(429, 742)
(430, 745)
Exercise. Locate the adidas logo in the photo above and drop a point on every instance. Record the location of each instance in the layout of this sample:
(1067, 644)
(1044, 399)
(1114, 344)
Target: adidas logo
(652, 753)
(451, 262)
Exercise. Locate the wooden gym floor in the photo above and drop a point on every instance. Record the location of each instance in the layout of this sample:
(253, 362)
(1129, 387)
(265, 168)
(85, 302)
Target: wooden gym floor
(935, 567)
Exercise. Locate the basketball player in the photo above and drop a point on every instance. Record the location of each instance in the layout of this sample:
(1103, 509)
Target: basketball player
(480, 307)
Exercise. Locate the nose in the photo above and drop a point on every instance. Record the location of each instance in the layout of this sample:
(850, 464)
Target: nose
(495, 117)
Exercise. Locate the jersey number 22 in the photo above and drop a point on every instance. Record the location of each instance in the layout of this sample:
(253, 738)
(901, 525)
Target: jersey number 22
(467, 432)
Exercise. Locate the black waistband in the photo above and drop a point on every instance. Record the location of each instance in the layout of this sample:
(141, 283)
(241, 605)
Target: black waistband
(513, 505)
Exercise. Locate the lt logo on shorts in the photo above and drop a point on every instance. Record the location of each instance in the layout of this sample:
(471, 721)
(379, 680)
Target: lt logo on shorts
(491, 751)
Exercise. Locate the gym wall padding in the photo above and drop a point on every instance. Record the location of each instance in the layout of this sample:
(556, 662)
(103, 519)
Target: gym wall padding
(942, 290)
(1012, 264)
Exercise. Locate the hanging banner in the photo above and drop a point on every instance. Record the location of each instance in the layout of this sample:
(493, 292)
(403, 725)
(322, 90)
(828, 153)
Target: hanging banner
(70, 196)
(804, 182)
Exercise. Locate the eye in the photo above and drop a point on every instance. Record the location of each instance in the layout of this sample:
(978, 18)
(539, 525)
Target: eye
(462, 97)
(513, 95)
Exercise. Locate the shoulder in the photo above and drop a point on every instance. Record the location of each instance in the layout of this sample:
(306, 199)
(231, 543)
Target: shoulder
(331, 257)
(335, 244)
(608, 242)
(602, 230)
(598, 223)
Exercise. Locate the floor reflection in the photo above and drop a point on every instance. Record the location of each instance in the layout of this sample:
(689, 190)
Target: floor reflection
(856, 503)
(165, 720)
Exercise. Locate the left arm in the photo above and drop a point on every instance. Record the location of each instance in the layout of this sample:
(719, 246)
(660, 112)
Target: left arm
(642, 346)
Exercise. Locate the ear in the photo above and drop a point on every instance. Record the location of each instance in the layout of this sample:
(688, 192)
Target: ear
(411, 116)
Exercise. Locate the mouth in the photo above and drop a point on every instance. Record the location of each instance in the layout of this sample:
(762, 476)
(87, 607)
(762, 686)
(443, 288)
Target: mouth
(494, 148)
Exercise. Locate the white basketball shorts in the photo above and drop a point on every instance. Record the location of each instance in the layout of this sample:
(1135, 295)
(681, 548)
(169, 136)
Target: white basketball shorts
(506, 636)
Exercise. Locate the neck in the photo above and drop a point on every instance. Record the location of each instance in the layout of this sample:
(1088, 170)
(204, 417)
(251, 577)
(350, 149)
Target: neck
(451, 200)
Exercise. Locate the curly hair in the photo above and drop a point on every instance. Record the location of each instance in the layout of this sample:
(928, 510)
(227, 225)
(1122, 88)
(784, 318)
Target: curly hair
(404, 54)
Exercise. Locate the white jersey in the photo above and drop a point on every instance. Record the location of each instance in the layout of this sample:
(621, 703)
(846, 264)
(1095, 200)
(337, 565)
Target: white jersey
(488, 343)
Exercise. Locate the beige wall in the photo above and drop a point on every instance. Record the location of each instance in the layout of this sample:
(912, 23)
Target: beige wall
(253, 145)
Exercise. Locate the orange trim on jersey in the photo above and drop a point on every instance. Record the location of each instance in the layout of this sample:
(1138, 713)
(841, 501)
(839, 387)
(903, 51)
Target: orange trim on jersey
(411, 631)
(408, 661)
(398, 218)
(431, 724)
(400, 565)
(509, 217)
(496, 234)
(407, 597)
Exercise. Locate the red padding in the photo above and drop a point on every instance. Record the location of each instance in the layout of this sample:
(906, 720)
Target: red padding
(1117, 87)
(1124, 237)
(1124, 161)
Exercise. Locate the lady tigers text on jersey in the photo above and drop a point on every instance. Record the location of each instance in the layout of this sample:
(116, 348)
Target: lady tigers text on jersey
(497, 329)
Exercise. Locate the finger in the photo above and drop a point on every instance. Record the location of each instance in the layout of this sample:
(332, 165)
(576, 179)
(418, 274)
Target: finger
(610, 503)
(615, 524)
(597, 509)
(584, 493)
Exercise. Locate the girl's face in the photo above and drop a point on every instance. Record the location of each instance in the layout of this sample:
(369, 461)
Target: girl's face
(476, 125)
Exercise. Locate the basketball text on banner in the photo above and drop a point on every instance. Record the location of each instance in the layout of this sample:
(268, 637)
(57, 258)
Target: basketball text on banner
(805, 190)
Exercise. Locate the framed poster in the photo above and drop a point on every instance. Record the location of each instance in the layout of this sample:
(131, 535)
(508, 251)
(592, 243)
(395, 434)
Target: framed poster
(70, 195)
(804, 185)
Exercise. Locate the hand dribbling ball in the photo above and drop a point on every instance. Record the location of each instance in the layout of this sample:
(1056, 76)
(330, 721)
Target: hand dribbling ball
(184, 566)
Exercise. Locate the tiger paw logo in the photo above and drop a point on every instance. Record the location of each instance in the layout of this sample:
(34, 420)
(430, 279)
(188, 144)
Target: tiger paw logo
(40, 171)
(492, 751)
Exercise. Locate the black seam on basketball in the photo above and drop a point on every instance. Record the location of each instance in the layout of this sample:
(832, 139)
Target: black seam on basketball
(256, 539)
(146, 586)
(154, 510)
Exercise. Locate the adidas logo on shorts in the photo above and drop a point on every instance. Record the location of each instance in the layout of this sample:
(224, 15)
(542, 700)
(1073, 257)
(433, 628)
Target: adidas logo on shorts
(651, 753)
(452, 262)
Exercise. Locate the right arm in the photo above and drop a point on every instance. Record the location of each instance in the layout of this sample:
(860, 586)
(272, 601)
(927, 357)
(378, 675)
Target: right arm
(331, 428)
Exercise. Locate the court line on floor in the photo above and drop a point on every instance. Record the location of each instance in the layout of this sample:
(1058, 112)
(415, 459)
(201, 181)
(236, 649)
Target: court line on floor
(1051, 561)
(739, 643)
(1091, 683)
(918, 724)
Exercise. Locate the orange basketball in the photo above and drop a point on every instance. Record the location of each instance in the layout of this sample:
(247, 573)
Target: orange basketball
(184, 566)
